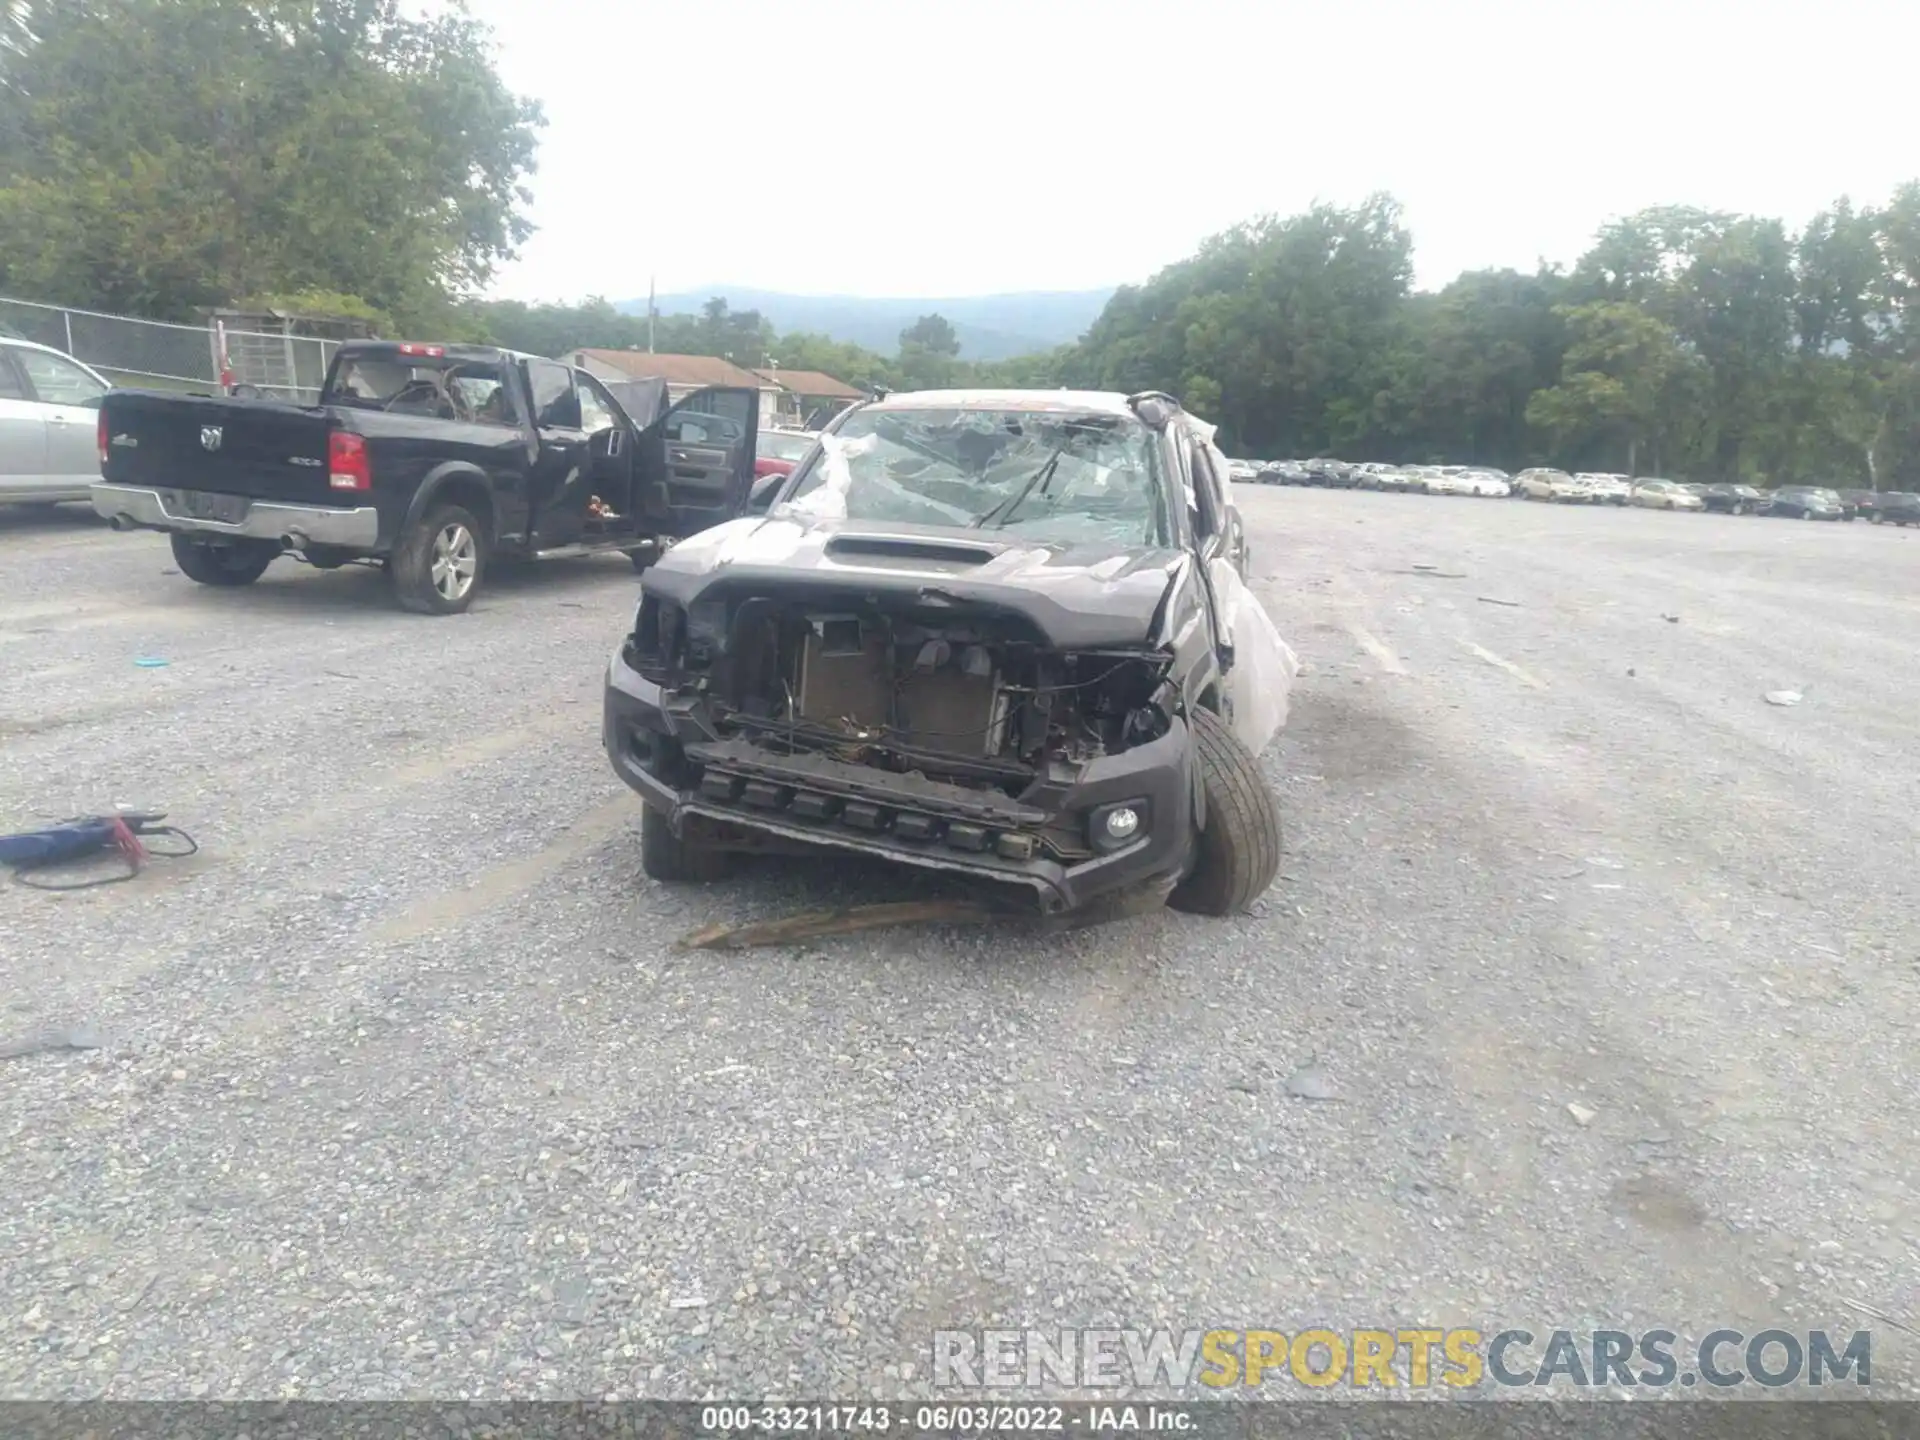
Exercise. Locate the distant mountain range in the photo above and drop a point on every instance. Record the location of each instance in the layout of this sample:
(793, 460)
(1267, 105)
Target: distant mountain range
(989, 327)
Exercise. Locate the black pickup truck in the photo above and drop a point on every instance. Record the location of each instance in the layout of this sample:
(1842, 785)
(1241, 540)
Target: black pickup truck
(433, 460)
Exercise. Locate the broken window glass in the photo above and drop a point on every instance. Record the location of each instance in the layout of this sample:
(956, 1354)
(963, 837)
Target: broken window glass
(1047, 475)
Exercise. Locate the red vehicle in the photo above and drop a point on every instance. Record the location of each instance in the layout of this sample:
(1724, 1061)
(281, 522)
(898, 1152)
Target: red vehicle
(776, 452)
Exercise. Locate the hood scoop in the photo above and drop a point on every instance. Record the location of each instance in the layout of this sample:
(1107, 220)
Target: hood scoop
(909, 549)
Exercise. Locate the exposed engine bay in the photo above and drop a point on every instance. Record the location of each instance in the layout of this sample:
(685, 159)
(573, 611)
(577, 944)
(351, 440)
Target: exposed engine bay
(974, 699)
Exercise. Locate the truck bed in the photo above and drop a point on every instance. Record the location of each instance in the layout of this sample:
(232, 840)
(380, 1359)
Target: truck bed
(264, 449)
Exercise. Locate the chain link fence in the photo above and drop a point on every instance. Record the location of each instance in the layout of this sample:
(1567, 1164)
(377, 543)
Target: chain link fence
(155, 354)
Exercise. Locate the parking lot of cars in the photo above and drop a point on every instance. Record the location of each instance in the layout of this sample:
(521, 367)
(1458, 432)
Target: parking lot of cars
(1800, 502)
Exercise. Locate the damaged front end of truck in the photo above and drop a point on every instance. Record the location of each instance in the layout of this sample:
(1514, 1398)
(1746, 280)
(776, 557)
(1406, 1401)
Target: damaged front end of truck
(969, 640)
(910, 723)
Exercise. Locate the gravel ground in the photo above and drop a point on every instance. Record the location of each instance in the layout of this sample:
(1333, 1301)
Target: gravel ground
(1610, 968)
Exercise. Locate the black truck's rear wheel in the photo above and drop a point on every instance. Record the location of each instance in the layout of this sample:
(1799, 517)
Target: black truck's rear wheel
(437, 567)
(1240, 846)
(666, 856)
(233, 562)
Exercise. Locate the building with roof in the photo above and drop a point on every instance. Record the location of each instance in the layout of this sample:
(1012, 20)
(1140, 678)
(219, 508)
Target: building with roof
(818, 395)
(787, 397)
(683, 373)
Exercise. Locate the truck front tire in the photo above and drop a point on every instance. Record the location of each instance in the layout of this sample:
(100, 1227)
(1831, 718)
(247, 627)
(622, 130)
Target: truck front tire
(235, 562)
(1240, 846)
(437, 567)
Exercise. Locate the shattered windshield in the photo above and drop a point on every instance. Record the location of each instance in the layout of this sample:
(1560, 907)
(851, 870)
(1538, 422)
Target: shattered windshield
(1052, 475)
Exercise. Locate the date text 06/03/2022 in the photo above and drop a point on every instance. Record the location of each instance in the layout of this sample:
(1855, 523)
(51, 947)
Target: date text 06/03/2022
(964, 1418)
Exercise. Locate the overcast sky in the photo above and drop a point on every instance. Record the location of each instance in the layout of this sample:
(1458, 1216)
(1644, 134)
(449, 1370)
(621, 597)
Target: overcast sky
(959, 147)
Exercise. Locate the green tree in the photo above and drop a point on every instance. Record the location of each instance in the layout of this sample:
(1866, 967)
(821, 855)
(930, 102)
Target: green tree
(548, 329)
(1871, 362)
(843, 361)
(739, 334)
(1045, 370)
(168, 155)
(1292, 319)
(1838, 273)
(1465, 364)
(933, 334)
(929, 354)
(1623, 382)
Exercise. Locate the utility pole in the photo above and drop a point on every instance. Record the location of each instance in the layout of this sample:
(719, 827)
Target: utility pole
(650, 314)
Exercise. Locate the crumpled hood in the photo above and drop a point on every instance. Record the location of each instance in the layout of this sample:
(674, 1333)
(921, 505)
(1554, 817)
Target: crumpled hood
(1079, 596)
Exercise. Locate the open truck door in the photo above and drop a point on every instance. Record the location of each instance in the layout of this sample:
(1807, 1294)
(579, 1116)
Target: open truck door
(694, 465)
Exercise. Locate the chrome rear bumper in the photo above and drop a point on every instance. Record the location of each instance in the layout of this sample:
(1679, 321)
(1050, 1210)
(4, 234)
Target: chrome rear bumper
(136, 506)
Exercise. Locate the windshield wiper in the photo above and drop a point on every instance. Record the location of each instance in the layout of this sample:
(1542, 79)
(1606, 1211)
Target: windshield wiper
(1013, 502)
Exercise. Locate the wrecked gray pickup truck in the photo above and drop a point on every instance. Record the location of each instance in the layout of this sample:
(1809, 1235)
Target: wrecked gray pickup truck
(1003, 633)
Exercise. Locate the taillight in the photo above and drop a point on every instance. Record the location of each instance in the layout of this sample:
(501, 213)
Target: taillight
(347, 462)
(101, 436)
(432, 352)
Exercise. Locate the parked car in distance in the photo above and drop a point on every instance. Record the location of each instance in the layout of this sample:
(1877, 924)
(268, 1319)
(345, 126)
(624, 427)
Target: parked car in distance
(49, 416)
(1604, 488)
(1896, 507)
(1665, 495)
(1732, 499)
(1451, 480)
(1488, 484)
(1860, 502)
(1367, 476)
(776, 451)
(1391, 477)
(1242, 471)
(1334, 474)
(1285, 472)
(1549, 485)
(1804, 502)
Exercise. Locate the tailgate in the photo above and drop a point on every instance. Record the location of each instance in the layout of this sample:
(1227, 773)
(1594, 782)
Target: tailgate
(263, 449)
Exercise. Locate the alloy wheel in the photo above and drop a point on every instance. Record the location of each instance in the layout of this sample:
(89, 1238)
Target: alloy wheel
(456, 559)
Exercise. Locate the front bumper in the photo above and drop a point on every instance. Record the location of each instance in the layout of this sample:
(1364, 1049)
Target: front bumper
(646, 738)
(139, 506)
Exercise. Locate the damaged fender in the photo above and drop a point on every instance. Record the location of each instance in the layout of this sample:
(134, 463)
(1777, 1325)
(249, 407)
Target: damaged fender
(1260, 685)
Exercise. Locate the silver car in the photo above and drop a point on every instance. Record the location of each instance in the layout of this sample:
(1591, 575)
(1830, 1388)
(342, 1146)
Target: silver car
(1605, 488)
(1665, 495)
(49, 424)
